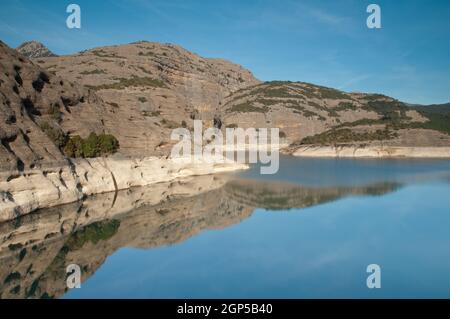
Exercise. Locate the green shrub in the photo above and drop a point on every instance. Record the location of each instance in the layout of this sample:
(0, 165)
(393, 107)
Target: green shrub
(108, 143)
(309, 114)
(90, 146)
(114, 104)
(436, 122)
(151, 114)
(15, 290)
(268, 102)
(345, 106)
(144, 70)
(130, 82)
(393, 111)
(170, 124)
(74, 147)
(248, 107)
(12, 276)
(393, 115)
(103, 54)
(55, 112)
(338, 136)
(93, 146)
(332, 94)
(149, 53)
(96, 71)
(58, 137)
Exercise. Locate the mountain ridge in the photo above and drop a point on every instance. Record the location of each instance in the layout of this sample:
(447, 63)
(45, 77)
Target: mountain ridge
(140, 92)
(34, 49)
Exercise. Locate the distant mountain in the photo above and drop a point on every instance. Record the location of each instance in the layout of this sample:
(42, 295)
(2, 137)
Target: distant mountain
(443, 109)
(34, 50)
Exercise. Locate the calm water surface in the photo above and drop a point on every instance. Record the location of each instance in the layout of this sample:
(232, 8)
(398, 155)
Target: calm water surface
(308, 231)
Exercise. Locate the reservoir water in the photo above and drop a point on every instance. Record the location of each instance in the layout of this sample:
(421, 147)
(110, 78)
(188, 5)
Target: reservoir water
(309, 231)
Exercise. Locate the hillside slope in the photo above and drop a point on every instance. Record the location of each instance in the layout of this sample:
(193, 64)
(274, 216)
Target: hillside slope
(152, 88)
(164, 86)
(309, 114)
(443, 109)
(139, 92)
(38, 110)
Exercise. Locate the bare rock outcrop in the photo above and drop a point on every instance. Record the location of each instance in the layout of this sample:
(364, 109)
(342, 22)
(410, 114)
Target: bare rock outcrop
(38, 110)
(152, 88)
(35, 189)
(34, 49)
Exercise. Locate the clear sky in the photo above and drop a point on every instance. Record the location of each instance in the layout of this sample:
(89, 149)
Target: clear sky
(322, 42)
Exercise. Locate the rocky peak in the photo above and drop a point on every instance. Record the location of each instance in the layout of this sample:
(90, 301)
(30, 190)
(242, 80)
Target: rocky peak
(34, 50)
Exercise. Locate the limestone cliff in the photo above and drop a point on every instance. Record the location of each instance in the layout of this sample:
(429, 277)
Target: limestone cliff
(52, 186)
(152, 88)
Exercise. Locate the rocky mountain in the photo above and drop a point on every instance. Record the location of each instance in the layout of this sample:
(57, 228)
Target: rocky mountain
(187, 87)
(137, 93)
(152, 89)
(34, 49)
(309, 114)
(37, 111)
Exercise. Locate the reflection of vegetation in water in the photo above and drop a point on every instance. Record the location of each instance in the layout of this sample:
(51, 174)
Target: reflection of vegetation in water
(225, 206)
(92, 233)
(282, 196)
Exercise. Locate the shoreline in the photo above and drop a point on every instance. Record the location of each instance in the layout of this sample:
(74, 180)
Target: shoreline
(23, 193)
(372, 152)
(79, 178)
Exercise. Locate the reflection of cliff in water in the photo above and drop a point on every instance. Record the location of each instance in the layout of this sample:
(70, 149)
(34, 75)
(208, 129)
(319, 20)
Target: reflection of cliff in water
(35, 249)
(278, 196)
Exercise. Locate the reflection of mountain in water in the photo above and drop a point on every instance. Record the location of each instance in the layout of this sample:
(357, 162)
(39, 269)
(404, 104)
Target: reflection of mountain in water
(35, 249)
(277, 196)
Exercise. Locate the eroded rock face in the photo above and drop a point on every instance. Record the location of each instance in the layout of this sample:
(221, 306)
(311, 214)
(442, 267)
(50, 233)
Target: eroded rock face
(139, 93)
(36, 109)
(35, 189)
(152, 89)
(39, 109)
(34, 50)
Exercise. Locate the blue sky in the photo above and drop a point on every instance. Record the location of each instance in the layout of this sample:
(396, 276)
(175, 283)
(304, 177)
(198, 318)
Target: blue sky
(322, 42)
